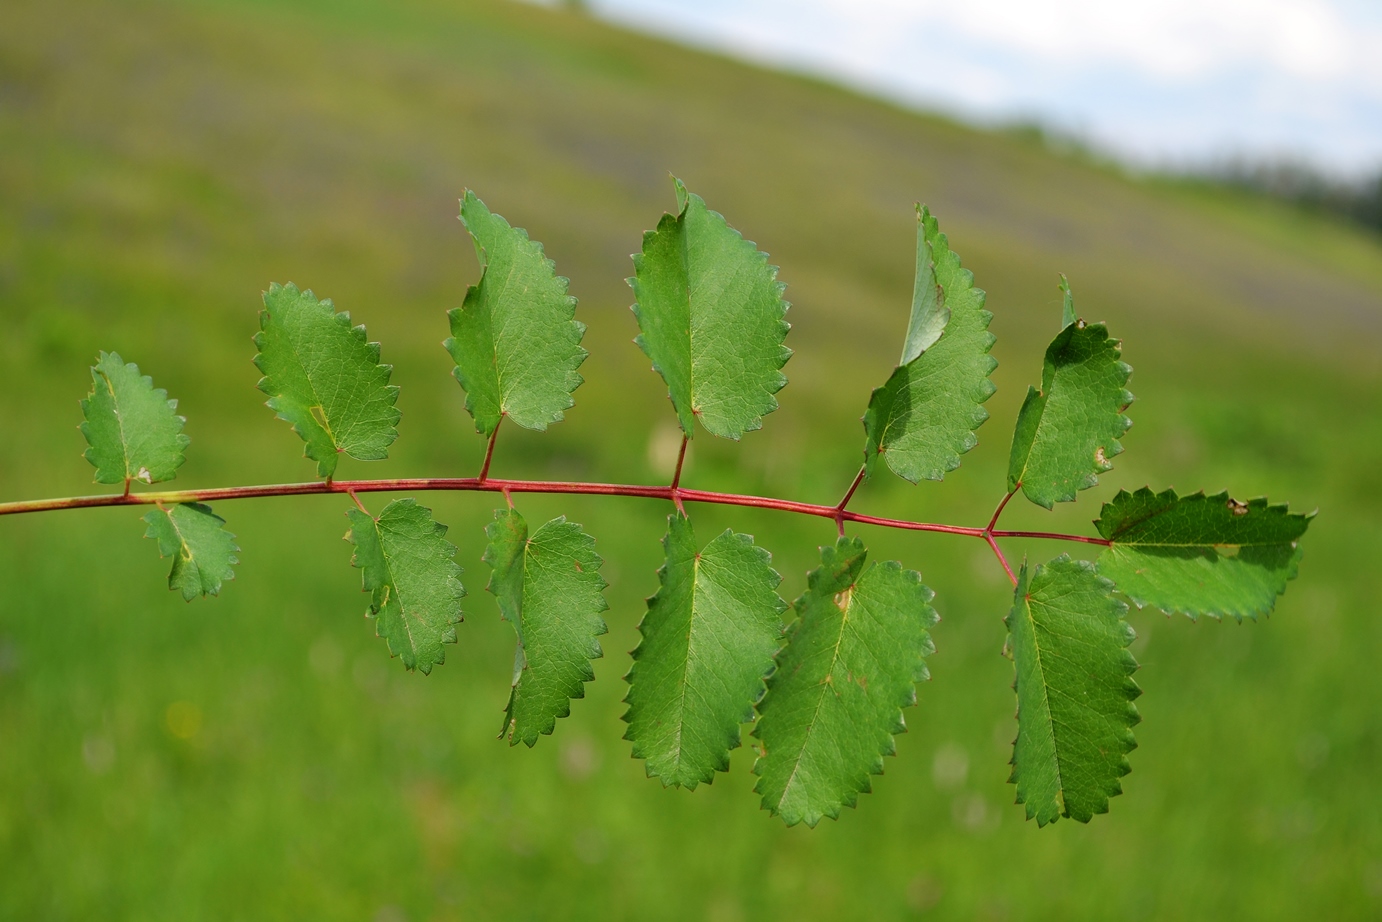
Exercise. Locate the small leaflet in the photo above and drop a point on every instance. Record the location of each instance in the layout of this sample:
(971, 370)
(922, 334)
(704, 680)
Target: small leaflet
(1067, 432)
(1068, 642)
(132, 427)
(1067, 308)
(1198, 554)
(514, 341)
(415, 583)
(710, 309)
(923, 419)
(549, 588)
(929, 311)
(203, 551)
(323, 377)
(851, 664)
(708, 640)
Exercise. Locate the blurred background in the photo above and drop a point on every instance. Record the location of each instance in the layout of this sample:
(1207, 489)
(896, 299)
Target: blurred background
(258, 756)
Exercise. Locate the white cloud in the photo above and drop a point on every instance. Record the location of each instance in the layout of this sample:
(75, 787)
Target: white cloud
(1173, 79)
(1170, 38)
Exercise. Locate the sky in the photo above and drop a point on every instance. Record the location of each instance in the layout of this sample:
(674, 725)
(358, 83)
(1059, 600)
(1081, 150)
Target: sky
(1167, 84)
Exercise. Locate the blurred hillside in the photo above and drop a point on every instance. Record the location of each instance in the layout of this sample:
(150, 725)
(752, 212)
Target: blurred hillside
(161, 163)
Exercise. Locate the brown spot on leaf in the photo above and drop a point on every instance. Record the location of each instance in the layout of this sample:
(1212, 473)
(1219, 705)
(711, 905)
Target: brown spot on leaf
(1237, 508)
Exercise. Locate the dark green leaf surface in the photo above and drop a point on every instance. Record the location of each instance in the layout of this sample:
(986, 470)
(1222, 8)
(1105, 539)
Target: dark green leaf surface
(708, 640)
(710, 310)
(323, 376)
(203, 551)
(1198, 554)
(549, 588)
(416, 586)
(1075, 692)
(835, 700)
(514, 341)
(132, 427)
(1067, 432)
(924, 417)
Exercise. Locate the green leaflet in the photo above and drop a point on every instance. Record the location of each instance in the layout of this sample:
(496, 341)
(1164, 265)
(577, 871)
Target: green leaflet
(930, 315)
(514, 341)
(1198, 554)
(710, 310)
(1067, 307)
(131, 426)
(1075, 692)
(835, 700)
(416, 586)
(323, 376)
(708, 640)
(924, 417)
(549, 588)
(1067, 432)
(203, 551)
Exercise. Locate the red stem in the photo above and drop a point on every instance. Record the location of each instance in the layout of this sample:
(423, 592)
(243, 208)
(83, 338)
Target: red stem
(988, 535)
(489, 450)
(359, 505)
(475, 485)
(849, 494)
(676, 477)
(1054, 536)
(999, 511)
(993, 545)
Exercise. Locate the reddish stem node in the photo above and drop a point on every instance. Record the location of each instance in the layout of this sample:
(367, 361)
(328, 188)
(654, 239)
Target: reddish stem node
(676, 477)
(849, 494)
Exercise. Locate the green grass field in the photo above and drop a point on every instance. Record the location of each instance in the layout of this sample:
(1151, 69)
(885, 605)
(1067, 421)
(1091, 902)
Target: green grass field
(258, 756)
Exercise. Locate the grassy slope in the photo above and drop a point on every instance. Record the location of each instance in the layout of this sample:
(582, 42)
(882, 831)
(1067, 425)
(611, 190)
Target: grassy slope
(161, 163)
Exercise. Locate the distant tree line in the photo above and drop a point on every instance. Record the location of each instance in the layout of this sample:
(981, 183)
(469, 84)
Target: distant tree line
(1359, 200)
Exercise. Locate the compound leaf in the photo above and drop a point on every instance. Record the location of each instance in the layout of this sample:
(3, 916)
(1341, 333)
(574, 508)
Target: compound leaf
(203, 551)
(708, 640)
(835, 700)
(514, 341)
(549, 588)
(132, 427)
(1198, 554)
(323, 376)
(1067, 431)
(416, 586)
(710, 310)
(1075, 691)
(924, 417)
